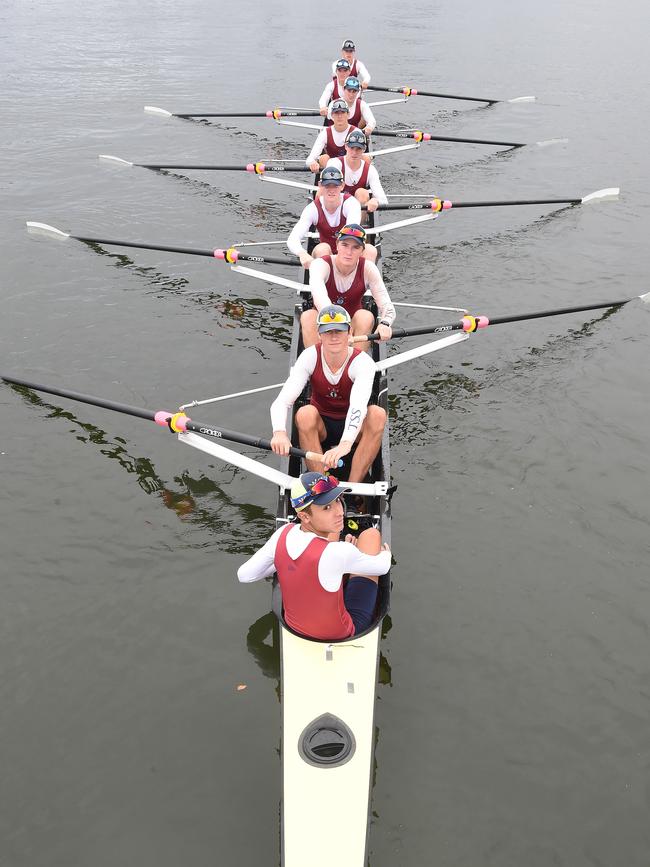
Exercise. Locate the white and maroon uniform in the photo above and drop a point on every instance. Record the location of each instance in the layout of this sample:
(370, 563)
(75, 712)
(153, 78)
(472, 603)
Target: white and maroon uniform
(329, 140)
(358, 70)
(328, 224)
(331, 92)
(310, 571)
(358, 370)
(364, 178)
(331, 400)
(352, 299)
(327, 285)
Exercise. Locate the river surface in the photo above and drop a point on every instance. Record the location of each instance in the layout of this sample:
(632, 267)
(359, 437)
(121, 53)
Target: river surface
(514, 699)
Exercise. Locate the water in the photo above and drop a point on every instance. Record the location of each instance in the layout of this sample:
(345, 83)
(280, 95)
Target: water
(514, 696)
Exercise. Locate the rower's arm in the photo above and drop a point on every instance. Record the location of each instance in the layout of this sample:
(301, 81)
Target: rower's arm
(262, 563)
(376, 189)
(362, 373)
(326, 95)
(318, 148)
(292, 389)
(318, 274)
(364, 75)
(368, 116)
(352, 210)
(300, 230)
(375, 282)
(341, 558)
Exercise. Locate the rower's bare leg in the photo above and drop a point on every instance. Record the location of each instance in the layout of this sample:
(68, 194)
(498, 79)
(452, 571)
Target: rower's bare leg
(324, 249)
(369, 542)
(369, 443)
(363, 322)
(362, 195)
(311, 433)
(370, 252)
(309, 327)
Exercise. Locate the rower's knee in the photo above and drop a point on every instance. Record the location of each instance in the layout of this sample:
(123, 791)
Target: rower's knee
(308, 327)
(307, 418)
(375, 420)
(321, 250)
(370, 253)
(362, 195)
(369, 541)
(363, 322)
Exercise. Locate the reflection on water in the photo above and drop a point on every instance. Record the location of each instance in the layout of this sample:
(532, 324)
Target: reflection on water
(200, 502)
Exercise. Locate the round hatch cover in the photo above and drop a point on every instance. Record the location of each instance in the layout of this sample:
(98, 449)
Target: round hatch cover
(326, 742)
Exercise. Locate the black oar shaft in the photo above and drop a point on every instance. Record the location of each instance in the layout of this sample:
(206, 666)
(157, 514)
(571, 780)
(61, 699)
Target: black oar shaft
(211, 168)
(189, 251)
(431, 137)
(195, 427)
(465, 323)
(425, 206)
(418, 92)
(280, 113)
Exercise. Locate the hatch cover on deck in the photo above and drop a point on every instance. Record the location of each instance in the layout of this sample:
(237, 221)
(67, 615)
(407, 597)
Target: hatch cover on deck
(326, 742)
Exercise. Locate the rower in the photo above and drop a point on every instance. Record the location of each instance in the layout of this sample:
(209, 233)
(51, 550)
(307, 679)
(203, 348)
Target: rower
(334, 88)
(343, 279)
(341, 379)
(359, 113)
(348, 51)
(331, 139)
(311, 563)
(329, 212)
(361, 178)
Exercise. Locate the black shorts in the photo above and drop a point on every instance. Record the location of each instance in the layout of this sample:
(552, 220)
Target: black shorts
(334, 428)
(360, 597)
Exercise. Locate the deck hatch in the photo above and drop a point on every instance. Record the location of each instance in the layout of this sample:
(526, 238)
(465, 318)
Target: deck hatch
(326, 742)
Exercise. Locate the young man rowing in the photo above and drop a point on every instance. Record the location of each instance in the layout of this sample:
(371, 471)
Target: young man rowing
(361, 178)
(329, 212)
(343, 279)
(338, 414)
(311, 564)
(359, 113)
(330, 141)
(334, 88)
(348, 51)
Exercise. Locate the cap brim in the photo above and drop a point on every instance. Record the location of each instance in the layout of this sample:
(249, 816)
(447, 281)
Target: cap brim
(329, 183)
(333, 326)
(330, 496)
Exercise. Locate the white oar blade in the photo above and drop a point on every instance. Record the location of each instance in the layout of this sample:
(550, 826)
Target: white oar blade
(285, 183)
(608, 193)
(645, 298)
(161, 112)
(551, 141)
(425, 349)
(269, 278)
(116, 160)
(522, 99)
(44, 229)
(400, 223)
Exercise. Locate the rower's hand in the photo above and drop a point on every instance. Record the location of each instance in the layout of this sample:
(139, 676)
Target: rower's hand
(280, 443)
(385, 547)
(372, 205)
(364, 85)
(332, 457)
(369, 131)
(353, 540)
(385, 332)
(314, 166)
(306, 259)
(323, 111)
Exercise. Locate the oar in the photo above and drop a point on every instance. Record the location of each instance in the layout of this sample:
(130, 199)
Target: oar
(425, 136)
(273, 113)
(470, 324)
(257, 168)
(176, 422)
(411, 91)
(445, 205)
(231, 255)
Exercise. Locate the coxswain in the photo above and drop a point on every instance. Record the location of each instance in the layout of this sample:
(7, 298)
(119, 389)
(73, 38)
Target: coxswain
(341, 379)
(359, 113)
(360, 177)
(343, 279)
(334, 88)
(311, 563)
(329, 212)
(330, 141)
(349, 51)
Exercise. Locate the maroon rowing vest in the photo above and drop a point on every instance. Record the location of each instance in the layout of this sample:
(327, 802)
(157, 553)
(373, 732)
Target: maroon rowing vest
(331, 400)
(337, 92)
(331, 148)
(351, 299)
(326, 233)
(308, 608)
(362, 183)
(354, 117)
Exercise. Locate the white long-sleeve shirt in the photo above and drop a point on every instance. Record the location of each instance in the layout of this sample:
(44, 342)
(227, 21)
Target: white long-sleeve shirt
(367, 117)
(309, 217)
(321, 141)
(361, 371)
(363, 74)
(319, 271)
(326, 95)
(338, 559)
(351, 178)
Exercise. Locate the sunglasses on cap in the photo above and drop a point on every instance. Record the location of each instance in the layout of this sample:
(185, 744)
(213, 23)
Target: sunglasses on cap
(352, 232)
(315, 489)
(337, 318)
